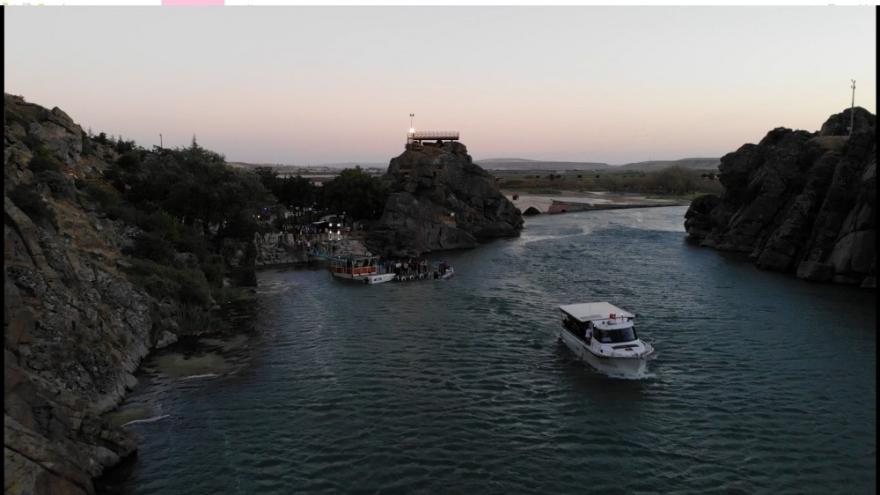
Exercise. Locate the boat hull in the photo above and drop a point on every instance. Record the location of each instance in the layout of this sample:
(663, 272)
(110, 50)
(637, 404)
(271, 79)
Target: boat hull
(370, 279)
(380, 279)
(635, 367)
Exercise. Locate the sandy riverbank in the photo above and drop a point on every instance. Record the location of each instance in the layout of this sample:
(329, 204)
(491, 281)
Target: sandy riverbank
(596, 199)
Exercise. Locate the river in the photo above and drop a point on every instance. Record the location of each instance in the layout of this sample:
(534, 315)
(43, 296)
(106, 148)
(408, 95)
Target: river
(762, 383)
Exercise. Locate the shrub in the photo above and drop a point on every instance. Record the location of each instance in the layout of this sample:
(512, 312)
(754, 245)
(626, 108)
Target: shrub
(122, 146)
(159, 286)
(161, 281)
(87, 147)
(191, 241)
(44, 161)
(214, 268)
(30, 202)
(152, 247)
(102, 194)
(124, 212)
(161, 224)
(129, 162)
(58, 183)
(32, 141)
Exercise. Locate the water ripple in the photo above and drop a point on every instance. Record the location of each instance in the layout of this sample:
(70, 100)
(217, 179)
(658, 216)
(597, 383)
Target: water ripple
(761, 383)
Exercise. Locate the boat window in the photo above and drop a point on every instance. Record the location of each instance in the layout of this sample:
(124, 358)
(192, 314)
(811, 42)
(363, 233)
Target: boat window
(615, 336)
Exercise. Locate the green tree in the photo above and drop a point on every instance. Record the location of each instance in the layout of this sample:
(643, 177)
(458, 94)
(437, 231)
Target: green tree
(356, 193)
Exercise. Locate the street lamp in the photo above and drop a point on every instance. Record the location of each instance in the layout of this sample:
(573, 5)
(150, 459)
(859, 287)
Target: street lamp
(852, 105)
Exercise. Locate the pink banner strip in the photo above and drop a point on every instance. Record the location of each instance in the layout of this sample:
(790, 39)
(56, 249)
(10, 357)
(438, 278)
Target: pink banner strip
(192, 2)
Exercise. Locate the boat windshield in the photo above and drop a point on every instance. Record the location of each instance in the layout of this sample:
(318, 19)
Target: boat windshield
(615, 336)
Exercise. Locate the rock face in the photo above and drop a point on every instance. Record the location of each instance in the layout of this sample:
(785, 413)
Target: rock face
(278, 248)
(441, 200)
(799, 202)
(75, 328)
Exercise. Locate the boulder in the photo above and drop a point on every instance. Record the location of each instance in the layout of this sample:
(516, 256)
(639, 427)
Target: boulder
(440, 200)
(838, 124)
(798, 202)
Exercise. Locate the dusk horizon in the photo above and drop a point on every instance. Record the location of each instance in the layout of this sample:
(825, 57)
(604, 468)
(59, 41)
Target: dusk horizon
(530, 249)
(588, 84)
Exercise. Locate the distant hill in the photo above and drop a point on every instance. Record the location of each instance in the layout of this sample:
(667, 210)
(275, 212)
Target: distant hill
(503, 160)
(310, 170)
(334, 166)
(691, 163)
(524, 164)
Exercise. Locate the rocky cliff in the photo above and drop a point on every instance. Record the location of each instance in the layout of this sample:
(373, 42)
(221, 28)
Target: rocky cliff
(75, 326)
(800, 202)
(440, 200)
(278, 249)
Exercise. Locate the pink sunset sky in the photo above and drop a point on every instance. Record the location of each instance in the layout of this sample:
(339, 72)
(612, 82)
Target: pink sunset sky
(310, 85)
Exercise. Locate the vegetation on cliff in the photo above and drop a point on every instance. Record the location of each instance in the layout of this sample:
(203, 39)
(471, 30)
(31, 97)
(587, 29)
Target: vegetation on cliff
(111, 250)
(354, 192)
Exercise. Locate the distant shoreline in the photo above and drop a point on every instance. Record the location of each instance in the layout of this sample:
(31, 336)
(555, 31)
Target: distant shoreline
(571, 201)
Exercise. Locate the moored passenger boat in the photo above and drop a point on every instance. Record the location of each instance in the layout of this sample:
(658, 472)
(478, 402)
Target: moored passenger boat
(605, 337)
(363, 269)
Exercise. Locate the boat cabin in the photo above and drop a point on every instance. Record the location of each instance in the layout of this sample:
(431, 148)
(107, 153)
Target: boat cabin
(602, 321)
(355, 266)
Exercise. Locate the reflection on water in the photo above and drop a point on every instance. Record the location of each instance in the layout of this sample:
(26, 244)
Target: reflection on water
(761, 382)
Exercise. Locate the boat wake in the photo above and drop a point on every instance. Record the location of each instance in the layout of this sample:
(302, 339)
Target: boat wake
(578, 231)
(200, 377)
(641, 375)
(146, 420)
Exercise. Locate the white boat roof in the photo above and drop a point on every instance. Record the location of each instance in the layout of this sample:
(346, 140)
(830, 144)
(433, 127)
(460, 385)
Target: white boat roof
(594, 311)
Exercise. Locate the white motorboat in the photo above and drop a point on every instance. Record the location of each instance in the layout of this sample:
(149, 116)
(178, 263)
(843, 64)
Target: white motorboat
(605, 337)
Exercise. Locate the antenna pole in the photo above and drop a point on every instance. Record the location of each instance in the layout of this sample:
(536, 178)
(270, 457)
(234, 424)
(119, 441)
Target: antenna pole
(852, 106)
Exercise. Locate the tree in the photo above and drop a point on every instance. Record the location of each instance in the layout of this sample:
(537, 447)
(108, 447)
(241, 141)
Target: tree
(356, 193)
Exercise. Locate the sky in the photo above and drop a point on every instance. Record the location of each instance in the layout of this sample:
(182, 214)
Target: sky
(313, 85)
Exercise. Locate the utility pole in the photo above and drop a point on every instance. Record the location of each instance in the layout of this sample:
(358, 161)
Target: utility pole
(852, 107)
(160, 141)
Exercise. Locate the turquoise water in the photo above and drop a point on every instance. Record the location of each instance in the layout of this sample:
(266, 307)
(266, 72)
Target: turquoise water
(762, 383)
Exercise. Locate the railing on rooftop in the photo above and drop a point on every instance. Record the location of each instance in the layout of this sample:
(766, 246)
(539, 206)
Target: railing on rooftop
(432, 135)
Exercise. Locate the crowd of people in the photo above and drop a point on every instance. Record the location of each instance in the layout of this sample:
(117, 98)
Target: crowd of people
(413, 268)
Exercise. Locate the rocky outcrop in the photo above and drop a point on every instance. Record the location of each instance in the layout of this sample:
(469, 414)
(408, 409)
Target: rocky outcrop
(440, 200)
(279, 248)
(75, 328)
(799, 202)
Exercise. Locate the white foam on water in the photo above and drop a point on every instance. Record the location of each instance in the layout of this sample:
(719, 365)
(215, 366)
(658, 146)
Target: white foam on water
(644, 375)
(147, 420)
(528, 239)
(200, 377)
